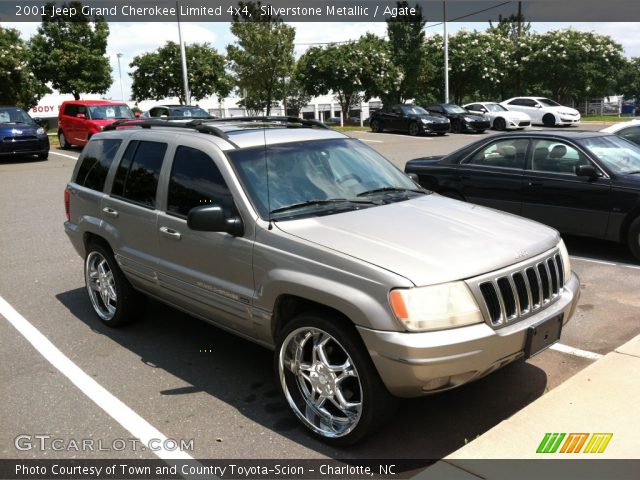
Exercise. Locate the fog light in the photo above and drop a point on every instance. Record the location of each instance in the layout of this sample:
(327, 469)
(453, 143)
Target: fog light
(436, 383)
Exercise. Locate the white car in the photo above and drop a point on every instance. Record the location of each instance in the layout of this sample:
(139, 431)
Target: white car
(629, 130)
(501, 118)
(543, 111)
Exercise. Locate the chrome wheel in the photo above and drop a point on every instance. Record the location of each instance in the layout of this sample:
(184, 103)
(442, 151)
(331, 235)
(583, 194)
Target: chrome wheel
(320, 382)
(101, 285)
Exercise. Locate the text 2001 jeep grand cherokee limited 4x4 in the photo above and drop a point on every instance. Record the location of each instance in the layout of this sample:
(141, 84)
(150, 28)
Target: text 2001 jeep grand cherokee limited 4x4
(308, 242)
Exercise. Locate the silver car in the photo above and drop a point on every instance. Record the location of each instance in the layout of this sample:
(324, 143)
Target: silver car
(310, 243)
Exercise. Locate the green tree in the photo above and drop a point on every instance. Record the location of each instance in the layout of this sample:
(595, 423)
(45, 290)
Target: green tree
(261, 58)
(70, 53)
(158, 74)
(411, 66)
(19, 85)
(628, 82)
(571, 64)
(352, 71)
(296, 97)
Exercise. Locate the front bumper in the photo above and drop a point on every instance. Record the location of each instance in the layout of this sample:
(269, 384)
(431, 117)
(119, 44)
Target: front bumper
(441, 127)
(27, 145)
(476, 126)
(415, 364)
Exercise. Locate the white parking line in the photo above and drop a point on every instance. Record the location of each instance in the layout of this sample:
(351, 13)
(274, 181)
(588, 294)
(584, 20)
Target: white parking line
(559, 347)
(120, 412)
(62, 155)
(371, 141)
(602, 262)
(408, 137)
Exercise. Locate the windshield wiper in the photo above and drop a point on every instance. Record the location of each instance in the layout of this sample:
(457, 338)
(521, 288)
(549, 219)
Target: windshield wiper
(310, 203)
(390, 189)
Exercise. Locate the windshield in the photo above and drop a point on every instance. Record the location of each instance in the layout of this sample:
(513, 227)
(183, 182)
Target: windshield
(318, 178)
(14, 115)
(454, 109)
(107, 112)
(548, 102)
(414, 110)
(188, 112)
(495, 107)
(617, 154)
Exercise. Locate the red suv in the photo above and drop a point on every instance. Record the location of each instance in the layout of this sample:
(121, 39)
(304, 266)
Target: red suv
(79, 119)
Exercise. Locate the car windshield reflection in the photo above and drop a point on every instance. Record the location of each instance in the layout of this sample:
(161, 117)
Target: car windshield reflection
(319, 178)
(619, 155)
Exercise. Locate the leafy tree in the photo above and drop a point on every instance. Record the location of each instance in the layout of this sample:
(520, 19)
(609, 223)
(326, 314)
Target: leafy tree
(70, 53)
(628, 83)
(352, 71)
(406, 36)
(262, 56)
(296, 97)
(571, 64)
(158, 74)
(19, 85)
(513, 27)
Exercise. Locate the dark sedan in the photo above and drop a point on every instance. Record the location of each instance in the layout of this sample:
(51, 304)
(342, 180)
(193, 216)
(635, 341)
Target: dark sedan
(461, 120)
(582, 183)
(408, 118)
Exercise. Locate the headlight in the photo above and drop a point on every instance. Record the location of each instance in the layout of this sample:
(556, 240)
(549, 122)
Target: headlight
(424, 120)
(437, 307)
(565, 261)
(40, 131)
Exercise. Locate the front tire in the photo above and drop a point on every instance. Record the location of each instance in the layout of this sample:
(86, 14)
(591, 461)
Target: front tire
(376, 126)
(414, 129)
(549, 120)
(634, 238)
(113, 298)
(43, 156)
(500, 124)
(328, 379)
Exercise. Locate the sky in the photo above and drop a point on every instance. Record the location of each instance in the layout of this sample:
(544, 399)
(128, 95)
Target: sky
(133, 39)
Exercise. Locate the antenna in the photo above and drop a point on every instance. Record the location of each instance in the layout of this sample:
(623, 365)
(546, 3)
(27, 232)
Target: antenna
(266, 166)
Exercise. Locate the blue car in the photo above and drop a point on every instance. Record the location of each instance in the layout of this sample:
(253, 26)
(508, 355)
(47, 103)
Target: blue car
(20, 135)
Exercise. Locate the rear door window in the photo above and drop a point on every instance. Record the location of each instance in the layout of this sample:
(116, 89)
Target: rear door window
(95, 162)
(137, 175)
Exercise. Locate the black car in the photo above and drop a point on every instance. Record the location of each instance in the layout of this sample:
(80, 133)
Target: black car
(582, 183)
(408, 118)
(461, 120)
(20, 135)
(177, 111)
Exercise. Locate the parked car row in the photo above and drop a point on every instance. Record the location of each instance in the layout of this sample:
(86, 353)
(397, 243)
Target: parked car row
(515, 113)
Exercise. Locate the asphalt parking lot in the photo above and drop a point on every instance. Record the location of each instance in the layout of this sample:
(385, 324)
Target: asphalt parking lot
(190, 380)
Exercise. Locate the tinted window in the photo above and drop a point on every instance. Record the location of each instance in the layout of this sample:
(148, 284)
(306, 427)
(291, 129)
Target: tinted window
(435, 108)
(138, 172)
(97, 158)
(632, 134)
(505, 153)
(556, 157)
(195, 181)
(71, 110)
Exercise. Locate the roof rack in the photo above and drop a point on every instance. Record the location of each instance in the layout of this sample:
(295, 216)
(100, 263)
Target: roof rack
(197, 125)
(271, 118)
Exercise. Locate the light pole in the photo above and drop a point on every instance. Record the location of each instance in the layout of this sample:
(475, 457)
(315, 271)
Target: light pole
(119, 55)
(446, 53)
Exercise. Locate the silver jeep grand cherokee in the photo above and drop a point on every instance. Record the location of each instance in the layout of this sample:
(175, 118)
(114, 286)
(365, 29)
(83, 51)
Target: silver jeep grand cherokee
(308, 242)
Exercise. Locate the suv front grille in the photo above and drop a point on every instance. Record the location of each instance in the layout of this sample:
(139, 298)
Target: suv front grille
(511, 294)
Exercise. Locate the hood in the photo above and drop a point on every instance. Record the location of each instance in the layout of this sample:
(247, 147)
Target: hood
(475, 116)
(562, 108)
(431, 117)
(16, 129)
(430, 239)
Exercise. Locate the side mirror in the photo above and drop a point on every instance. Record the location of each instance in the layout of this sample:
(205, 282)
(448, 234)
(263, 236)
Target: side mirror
(586, 171)
(538, 105)
(414, 177)
(81, 116)
(213, 218)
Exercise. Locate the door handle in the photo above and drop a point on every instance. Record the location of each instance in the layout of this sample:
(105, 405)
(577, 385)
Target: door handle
(170, 233)
(535, 184)
(110, 211)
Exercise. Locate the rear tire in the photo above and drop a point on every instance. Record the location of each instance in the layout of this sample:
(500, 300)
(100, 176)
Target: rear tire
(64, 144)
(328, 379)
(549, 120)
(634, 238)
(43, 156)
(113, 298)
(376, 126)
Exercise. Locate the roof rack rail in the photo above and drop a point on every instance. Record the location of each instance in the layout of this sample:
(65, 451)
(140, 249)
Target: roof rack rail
(197, 125)
(271, 118)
